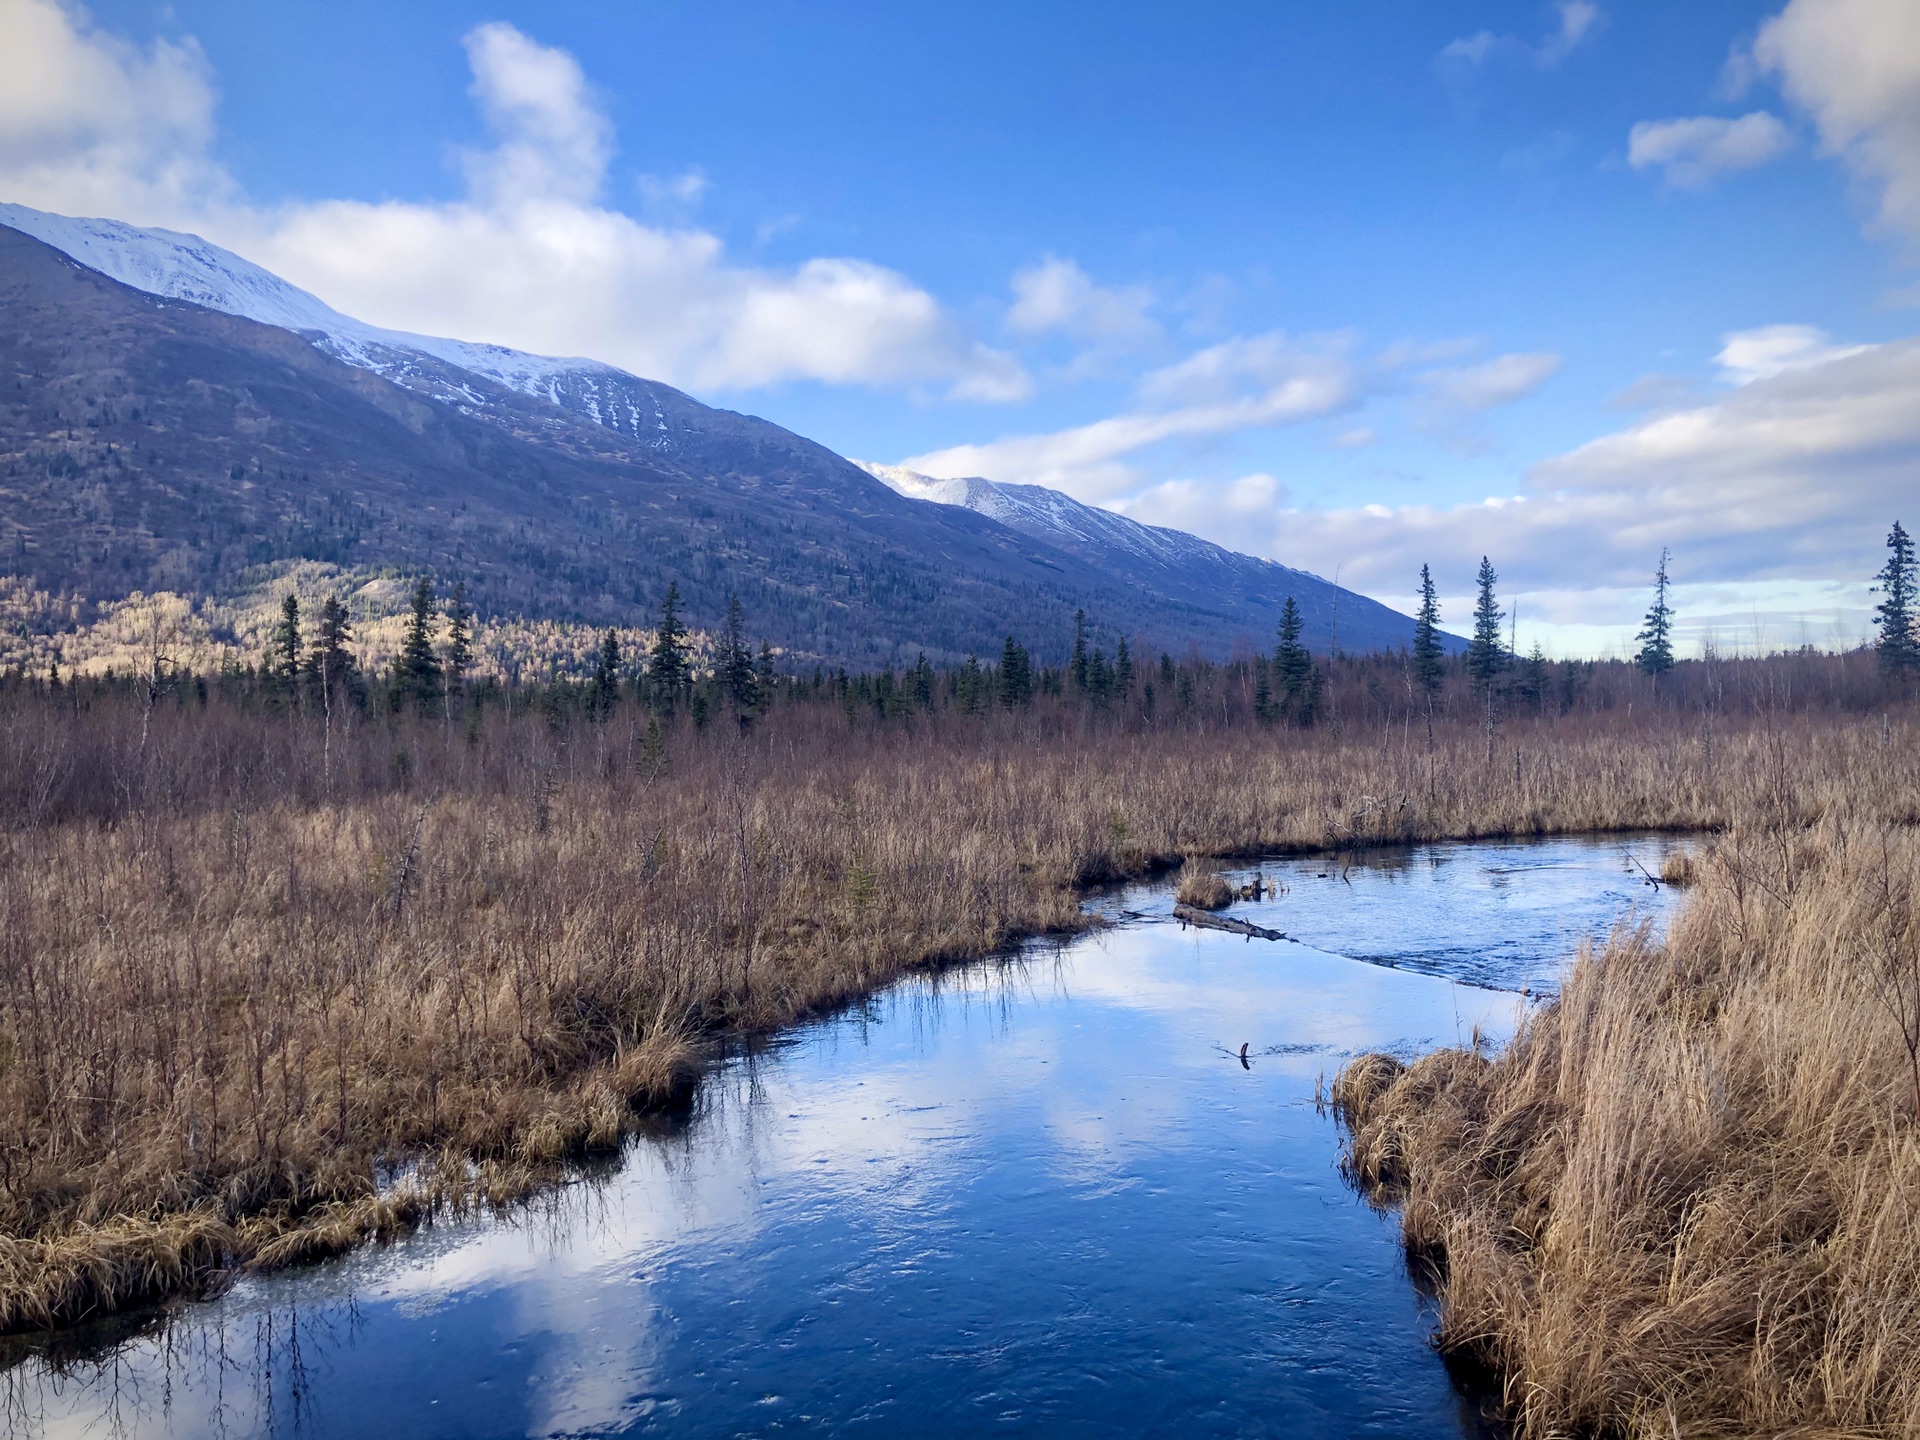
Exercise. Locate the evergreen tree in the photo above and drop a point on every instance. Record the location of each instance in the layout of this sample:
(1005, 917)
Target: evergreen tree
(736, 660)
(1293, 664)
(329, 663)
(1099, 676)
(1016, 674)
(1655, 655)
(1262, 690)
(1123, 669)
(1898, 643)
(921, 682)
(1077, 667)
(284, 649)
(763, 677)
(606, 674)
(459, 637)
(1429, 660)
(969, 686)
(416, 674)
(1533, 678)
(667, 665)
(1486, 656)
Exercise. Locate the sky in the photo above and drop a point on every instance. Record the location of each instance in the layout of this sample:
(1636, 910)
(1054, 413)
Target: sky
(1357, 287)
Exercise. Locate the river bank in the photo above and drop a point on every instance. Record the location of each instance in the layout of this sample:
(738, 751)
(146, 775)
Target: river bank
(1682, 1201)
(233, 1010)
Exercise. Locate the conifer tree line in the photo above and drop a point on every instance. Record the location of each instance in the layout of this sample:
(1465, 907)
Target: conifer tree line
(310, 667)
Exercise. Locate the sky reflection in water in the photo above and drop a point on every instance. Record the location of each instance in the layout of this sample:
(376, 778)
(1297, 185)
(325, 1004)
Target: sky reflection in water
(1026, 1196)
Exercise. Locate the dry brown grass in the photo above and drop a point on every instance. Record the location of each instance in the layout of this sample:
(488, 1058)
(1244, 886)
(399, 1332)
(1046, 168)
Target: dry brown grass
(1680, 868)
(1203, 888)
(261, 965)
(1686, 1199)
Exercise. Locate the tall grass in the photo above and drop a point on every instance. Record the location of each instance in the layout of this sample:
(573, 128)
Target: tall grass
(1686, 1199)
(274, 983)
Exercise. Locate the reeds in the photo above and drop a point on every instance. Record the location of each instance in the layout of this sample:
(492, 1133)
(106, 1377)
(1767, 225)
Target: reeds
(1686, 1199)
(249, 966)
(1204, 889)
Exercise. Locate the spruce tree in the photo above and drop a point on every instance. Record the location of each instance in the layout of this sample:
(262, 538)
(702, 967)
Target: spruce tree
(969, 686)
(763, 677)
(1898, 644)
(1123, 669)
(1429, 660)
(1293, 664)
(1016, 675)
(667, 666)
(736, 659)
(921, 682)
(1077, 667)
(284, 658)
(459, 637)
(329, 662)
(1533, 677)
(1655, 655)
(1486, 656)
(606, 674)
(416, 673)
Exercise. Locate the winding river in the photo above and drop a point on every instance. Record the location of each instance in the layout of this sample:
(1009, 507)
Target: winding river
(1039, 1195)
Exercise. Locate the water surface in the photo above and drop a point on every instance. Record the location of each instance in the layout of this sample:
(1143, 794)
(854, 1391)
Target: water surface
(1030, 1196)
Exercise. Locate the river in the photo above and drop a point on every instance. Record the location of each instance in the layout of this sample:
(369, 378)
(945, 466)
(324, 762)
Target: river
(1039, 1194)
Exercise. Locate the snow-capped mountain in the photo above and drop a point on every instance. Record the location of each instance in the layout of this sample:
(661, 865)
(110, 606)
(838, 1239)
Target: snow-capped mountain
(185, 267)
(1171, 561)
(1042, 549)
(1060, 519)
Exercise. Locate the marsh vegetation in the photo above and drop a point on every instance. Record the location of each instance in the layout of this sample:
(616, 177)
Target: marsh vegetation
(278, 976)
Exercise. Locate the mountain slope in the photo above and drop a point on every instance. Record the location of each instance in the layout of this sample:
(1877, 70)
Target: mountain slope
(1171, 562)
(155, 438)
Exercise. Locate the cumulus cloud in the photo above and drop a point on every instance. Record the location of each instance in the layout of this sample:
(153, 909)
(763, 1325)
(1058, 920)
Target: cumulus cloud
(1854, 66)
(1575, 21)
(529, 256)
(1695, 151)
(92, 124)
(1057, 295)
(1242, 384)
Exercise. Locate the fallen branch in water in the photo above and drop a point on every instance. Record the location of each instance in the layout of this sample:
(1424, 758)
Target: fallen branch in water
(1187, 915)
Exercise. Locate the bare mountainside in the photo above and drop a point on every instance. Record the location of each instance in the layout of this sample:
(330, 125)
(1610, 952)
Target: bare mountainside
(155, 442)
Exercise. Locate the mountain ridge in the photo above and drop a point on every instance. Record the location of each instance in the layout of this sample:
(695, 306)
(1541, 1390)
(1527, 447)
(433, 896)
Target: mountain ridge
(608, 439)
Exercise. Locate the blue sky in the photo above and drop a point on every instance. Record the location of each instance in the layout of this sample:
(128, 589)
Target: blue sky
(1315, 281)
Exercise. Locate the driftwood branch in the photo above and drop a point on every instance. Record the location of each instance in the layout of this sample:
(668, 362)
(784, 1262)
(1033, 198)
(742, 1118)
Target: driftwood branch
(1187, 915)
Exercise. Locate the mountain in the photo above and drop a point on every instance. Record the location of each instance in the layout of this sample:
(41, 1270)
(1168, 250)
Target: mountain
(1170, 562)
(179, 414)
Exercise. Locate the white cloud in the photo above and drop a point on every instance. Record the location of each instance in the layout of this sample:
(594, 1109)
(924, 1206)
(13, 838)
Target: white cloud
(1854, 66)
(1057, 295)
(528, 257)
(1794, 475)
(1243, 384)
(1575, 21)
(1769, 350)
(90, 123)
(1695, 151)
(1469, 389)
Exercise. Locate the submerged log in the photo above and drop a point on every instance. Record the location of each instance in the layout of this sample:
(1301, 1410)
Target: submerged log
(1187, 915)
